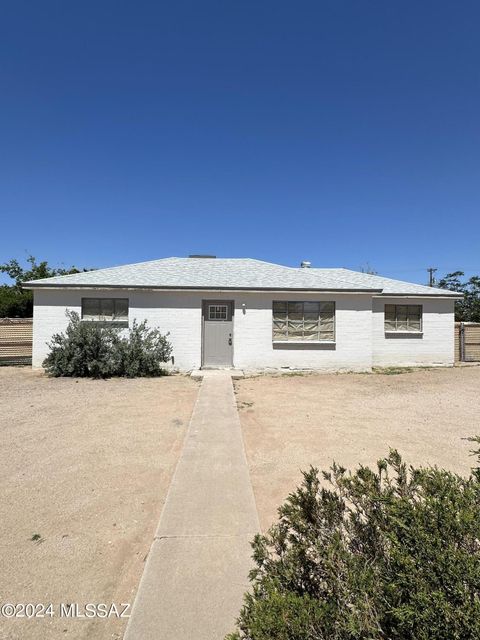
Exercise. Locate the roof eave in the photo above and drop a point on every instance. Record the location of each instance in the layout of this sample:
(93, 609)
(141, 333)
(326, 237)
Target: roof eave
(445, 296)
(33, 286)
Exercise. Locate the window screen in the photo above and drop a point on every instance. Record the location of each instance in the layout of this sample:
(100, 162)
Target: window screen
(304, 321)
(105, 309)
(403, 317)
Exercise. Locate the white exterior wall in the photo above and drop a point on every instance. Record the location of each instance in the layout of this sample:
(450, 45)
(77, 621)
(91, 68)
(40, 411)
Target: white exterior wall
(180, 314)
(360, 336)
(352, 350)
(435, 346)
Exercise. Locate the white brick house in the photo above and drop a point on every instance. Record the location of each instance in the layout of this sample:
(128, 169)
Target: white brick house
(250, 314)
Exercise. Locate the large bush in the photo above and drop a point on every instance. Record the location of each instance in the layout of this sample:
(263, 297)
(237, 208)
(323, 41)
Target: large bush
(391, 553)
(97, 350)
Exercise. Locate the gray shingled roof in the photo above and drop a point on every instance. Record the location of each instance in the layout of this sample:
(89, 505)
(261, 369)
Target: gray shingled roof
(232, 273)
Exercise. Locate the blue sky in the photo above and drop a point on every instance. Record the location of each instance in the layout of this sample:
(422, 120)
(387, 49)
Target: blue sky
(342, 132)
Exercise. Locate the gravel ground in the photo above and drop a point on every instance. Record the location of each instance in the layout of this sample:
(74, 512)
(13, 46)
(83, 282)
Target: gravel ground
(84, 470)
(290, 422)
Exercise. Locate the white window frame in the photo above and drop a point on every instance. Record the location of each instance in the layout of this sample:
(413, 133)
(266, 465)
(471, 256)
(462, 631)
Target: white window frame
(407, 328)
(220, 312)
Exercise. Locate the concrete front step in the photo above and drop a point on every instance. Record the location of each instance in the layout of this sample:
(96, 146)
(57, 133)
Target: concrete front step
(199, 374)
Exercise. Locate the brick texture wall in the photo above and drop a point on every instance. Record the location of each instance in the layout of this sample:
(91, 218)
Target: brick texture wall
(360, 340)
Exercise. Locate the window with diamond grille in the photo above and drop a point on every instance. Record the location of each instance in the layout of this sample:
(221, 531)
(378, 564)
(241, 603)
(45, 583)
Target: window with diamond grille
(303, 321)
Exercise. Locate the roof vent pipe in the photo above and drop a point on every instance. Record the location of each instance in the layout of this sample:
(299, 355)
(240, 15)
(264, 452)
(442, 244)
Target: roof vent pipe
(201, 255)
(305, 264)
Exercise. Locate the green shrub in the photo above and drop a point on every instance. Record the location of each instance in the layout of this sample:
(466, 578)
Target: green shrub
(95, 350)
(377, 554)
(143, 352)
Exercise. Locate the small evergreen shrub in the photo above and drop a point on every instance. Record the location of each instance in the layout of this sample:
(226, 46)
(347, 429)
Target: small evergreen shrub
(95, 350)
(385, 554)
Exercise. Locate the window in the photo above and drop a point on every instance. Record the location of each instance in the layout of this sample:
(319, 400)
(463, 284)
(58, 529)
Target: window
(304, 321)
(217, 312)
(105, 309)
(403, 317)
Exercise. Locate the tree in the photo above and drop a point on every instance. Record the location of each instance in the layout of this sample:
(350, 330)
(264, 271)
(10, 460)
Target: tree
(468, 309)
(390, 552)
(16, 302)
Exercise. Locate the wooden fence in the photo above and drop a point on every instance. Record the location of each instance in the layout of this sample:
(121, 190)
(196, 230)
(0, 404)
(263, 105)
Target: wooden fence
(467, 341)
(16, 340)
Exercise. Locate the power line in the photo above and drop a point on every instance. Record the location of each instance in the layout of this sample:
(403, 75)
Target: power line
(431, 280)
(446, 269)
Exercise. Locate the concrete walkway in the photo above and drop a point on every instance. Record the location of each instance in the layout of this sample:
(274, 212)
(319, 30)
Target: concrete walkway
(197, 568)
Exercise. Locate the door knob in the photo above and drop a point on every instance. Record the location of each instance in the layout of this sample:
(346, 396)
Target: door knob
(230, 340)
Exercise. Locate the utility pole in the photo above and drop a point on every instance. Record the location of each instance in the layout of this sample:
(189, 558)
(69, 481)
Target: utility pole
(431, 271)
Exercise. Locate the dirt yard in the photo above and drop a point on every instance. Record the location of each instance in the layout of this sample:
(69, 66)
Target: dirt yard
(84, 470)
(290, 422)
